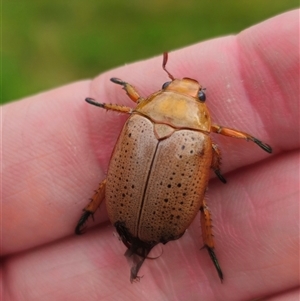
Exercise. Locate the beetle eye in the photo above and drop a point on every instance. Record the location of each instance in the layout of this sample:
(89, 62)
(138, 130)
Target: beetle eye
(165, 85)
(201, 95)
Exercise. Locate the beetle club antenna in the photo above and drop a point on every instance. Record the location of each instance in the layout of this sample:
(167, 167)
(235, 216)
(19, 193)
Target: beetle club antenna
(165, 59)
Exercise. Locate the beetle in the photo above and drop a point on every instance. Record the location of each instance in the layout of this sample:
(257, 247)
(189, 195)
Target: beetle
(159, 168)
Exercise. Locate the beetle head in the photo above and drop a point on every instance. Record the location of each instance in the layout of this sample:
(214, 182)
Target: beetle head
(180, 104)
(186, 85)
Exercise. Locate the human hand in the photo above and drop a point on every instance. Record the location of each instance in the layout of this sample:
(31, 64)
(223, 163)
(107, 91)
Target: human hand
(56, 149)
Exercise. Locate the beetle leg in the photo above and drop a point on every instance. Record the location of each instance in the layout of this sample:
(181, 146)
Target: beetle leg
(238, 134)
(206, 226)
(91, 208)
(216, 162)
(130, 90)
(109, 106)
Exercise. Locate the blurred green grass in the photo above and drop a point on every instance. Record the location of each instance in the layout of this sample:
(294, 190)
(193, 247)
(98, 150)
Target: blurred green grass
(50, 43)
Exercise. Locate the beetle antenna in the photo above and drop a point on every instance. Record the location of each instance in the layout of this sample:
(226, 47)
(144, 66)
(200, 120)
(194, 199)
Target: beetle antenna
(165, 59)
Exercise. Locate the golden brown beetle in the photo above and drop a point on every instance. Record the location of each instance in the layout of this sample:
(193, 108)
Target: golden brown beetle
(159, 169)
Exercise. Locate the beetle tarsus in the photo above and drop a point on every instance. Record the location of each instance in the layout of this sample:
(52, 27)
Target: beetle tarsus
(264, 146)
(83, 219)
(219, 175)
(94, 102)
(215, 261)
(118, 81)
(130, 90)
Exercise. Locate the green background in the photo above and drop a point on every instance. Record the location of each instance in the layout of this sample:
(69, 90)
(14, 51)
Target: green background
(50, 43)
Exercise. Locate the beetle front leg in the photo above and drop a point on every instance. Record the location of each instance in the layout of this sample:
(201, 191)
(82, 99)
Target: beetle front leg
(216, 162)
(130, 90)
(91, 208)
(107, 106)
(207, 235)
(241, 135)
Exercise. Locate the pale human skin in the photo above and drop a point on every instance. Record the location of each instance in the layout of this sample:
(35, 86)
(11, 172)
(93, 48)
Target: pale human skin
(56, 148)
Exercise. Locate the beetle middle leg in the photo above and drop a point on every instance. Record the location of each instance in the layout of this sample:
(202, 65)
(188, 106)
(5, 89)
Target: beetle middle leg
(238, 134)
(91, 208)
(216, 162)
(207, 235)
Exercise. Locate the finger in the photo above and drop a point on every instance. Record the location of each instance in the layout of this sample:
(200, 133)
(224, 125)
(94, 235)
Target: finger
(50, 170)
(251, 216)
(58, 147)
(255, 239)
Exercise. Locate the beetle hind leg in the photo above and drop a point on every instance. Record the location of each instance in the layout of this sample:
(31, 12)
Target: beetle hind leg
(83, 219)
(214, 259)
(216, 162)
(90, 209)
(206, 226)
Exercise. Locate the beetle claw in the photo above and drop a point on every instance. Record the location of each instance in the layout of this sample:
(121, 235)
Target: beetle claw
(84, 217)
(94, 102)
(80, 231)
(215, 261)
(117, 81)
(266, 147)
(219, 175)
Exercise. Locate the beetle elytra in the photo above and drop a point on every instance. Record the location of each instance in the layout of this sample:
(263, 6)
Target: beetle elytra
(159, 169)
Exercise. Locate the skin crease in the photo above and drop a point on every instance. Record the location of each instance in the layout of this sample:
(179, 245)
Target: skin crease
(56, 150)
